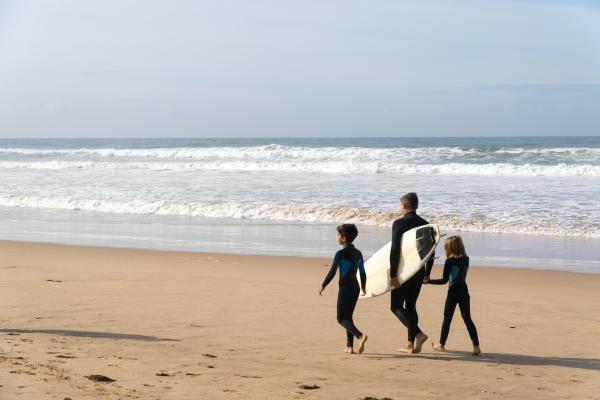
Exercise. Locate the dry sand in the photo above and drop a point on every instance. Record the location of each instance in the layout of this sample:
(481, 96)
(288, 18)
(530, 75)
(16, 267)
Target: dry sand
(168, 325)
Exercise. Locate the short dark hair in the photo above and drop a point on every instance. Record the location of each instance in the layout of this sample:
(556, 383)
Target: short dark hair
(410, 201)
(349, 231)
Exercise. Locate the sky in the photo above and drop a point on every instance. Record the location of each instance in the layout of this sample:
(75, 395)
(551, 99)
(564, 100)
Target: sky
(294, 68)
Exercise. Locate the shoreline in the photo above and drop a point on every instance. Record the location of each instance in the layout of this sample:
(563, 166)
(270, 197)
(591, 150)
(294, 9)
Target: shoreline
(233, 254)
(178, 325)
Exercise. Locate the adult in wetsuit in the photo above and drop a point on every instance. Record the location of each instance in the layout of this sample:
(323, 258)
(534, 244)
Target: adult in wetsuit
(455, 274)
(404, 298)
(349, 261)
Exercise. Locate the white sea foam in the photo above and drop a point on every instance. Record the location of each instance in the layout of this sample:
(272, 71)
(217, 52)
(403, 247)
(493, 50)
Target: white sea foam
(308, 183)
(324, 167)
(254, 152)
(275, 151)
(309, 213)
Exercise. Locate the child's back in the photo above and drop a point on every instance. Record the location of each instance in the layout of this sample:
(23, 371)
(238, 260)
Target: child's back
(455, 272)
(455, 275)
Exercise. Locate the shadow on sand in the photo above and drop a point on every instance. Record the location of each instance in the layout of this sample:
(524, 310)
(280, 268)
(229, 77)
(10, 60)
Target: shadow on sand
(97, 335)
(592, 364)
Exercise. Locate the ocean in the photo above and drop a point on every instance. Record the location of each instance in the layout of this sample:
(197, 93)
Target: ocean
(521, 201)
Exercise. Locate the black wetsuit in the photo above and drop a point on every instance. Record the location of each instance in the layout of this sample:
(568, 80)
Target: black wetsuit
(404, 299)
(349, 260)
(455, 274)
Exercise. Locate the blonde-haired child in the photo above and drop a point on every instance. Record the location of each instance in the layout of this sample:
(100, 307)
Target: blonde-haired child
(455, 274)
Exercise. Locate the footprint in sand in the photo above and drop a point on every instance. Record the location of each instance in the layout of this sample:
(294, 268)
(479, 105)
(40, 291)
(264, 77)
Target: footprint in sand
(376, 398)
(309, 387)
(65, 356)
(100, 378)
(545, 389)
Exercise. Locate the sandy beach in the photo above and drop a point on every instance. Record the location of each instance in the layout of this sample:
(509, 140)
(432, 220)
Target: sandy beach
(174, 325)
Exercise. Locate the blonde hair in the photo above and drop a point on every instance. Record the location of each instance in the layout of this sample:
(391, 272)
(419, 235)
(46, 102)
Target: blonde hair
(454, 247)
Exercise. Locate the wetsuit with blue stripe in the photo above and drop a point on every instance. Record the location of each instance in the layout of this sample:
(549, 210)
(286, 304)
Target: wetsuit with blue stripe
(349, 261)
(455, 275)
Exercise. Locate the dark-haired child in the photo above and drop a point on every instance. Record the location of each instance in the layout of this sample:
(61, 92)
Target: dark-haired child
(455, 274)
(349, 261)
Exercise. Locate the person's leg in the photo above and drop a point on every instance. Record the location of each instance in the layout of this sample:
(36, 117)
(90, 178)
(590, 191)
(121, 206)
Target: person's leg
(415, 335)
(341, 311)
(464, 303)
(398, 301)
(352, 329)
(347, 298)
(413, 290)
(449, 308)
(349, 338)
(398, 298)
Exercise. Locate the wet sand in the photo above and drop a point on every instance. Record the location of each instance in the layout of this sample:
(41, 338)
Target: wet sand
(173, 325)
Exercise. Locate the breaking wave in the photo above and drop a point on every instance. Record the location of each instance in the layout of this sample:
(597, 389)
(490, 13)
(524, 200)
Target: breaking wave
(329, 167)
(309, 213)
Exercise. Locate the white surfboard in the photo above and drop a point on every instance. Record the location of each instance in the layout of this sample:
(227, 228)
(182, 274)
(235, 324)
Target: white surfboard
(418, 246)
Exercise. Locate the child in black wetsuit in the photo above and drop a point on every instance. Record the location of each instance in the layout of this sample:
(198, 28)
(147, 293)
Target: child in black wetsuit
(455, 274)
(349, 260)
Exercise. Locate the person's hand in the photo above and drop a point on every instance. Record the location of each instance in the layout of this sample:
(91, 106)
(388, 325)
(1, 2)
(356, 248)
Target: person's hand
(321, 291)
(425, 280)
(364, 292)
(395, 283)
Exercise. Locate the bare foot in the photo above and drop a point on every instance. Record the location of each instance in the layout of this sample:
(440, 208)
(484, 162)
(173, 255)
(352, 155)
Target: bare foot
(419, 340)
(437, 346)
(476, 351)
(362, 341)
(349, 350)
(408, 349)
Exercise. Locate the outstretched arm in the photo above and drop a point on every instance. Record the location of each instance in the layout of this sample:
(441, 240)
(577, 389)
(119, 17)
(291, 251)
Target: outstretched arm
(429, 264)
(445, 276)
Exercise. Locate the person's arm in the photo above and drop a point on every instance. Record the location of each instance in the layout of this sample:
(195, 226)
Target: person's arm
(363, 275)
(332, 270)
(428, 268)
(445, 276)
(396, 249)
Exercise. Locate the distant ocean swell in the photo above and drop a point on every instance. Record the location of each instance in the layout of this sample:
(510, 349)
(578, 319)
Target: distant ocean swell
(287, 213)
(477, 161)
